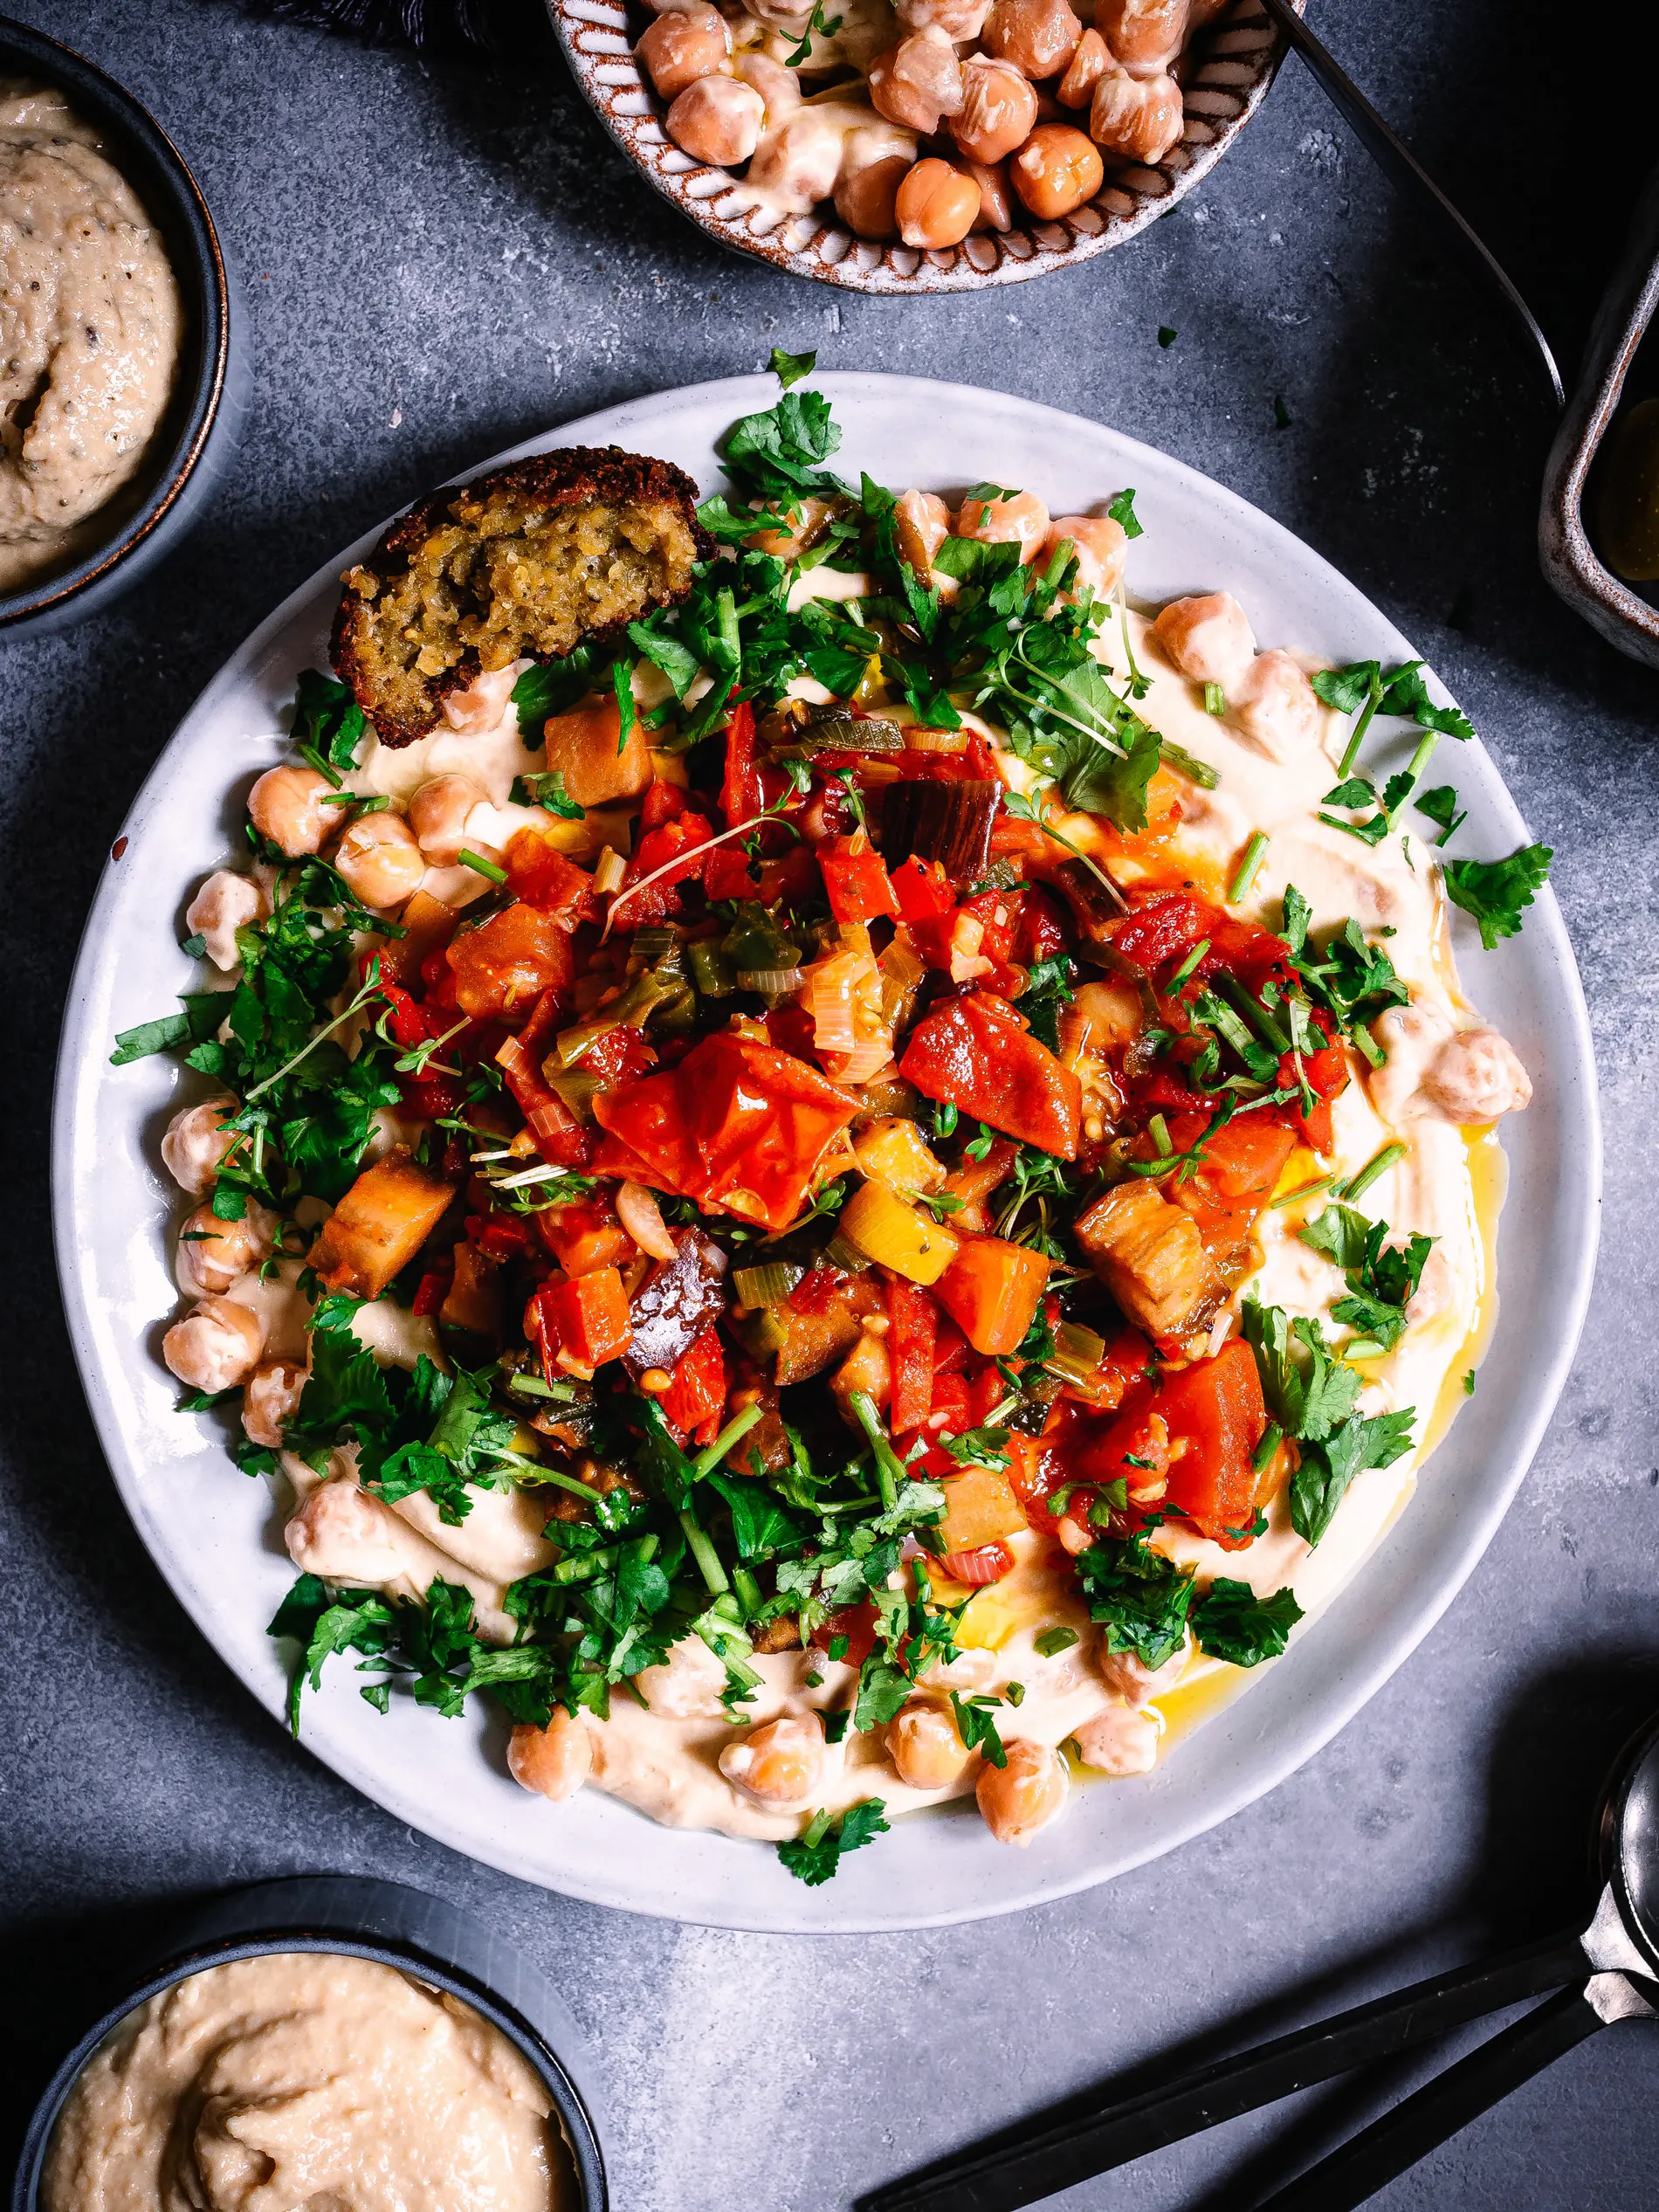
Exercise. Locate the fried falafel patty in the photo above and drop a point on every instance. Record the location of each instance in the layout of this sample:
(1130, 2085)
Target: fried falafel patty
(528, 561)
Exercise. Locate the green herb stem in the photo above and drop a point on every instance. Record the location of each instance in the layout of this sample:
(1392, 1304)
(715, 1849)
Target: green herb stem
(703, 1552)
(480, 866)
(1358, 1185)
(1303, 1190)
(735, 1431)
(1248, 867)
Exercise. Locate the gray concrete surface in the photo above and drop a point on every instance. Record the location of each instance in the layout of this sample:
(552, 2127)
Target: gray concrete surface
(441, 260)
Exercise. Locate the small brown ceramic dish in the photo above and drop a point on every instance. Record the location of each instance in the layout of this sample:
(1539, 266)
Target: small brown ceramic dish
(203, 423)
(1232, 62)
(1571, 564)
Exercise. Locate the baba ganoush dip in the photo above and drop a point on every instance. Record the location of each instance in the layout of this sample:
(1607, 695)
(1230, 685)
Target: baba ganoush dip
(90, 329)
(302, 2080)
(918, 1304)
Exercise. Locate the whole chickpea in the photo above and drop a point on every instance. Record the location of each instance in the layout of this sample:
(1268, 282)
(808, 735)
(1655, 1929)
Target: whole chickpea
(1039, 36)
(481, 705)
(778, 86)
(936, 205)
(1136, 120)
(958, 19)
(269, 1400)
(1022, 521)
(1088, 66)
(1026, 1794)
(286, 806)
(554, 1762)
(196, 1144)
(1477, 1076)
(225, 903)
(921, 524)
(1145, 35)
(923, 1743)
(1207, 640)
(1120, 1742)
(865, 200)
(1276, 708)
(216, 1346)
(998, 111)
(996, 202)
(717, 121)
(438, 811)
(778, 1764)
(212, 1253)
(679, 48)
(379, 859)
(918, 82)
(1100, 546)
(796, 164)
(1056, 170)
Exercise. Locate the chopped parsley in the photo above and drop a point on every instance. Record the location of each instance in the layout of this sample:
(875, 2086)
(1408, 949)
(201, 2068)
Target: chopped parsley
(1232, 1624)
(815, 1855)
(1497, 892)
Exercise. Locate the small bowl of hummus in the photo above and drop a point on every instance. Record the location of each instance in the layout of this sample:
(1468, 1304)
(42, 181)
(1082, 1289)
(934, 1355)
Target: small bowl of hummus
(330, 2042)
(121, 374)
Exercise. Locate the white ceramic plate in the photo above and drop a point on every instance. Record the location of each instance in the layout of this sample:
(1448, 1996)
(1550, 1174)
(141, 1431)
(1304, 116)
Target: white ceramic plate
(215, 1534)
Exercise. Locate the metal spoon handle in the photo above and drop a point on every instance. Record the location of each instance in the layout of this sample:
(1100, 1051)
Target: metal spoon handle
(1396, 159)
(1038, 2160)
(1382, 2151)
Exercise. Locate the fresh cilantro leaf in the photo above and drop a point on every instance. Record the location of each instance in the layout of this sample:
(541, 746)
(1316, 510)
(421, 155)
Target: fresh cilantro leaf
(778, 454)
(204, 1012)
(678, 662)
(552, 687)
(789, 368)
(1122, 511)
(1406, 693)
(1355, 792)
(975, 560)
(761, 1526)
(326, 718)
(730, 525)
(195, 946)
(1347, 689)
(1232, 1624)
(883, 1689)
(1340, 1232)
(1097, 782)
(1167, 337)
(1048, 987)
(816, 1856)
(350, 1621)
(1440, 804)
(1141, 1597)
(547, 789)
(979, 1448)
(976, 1725)
(1328, 1467)
(1308, 1391)
(1497, 892)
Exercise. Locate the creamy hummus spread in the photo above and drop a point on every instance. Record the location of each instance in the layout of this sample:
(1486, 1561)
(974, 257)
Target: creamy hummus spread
(90, 328)
(307, 2082)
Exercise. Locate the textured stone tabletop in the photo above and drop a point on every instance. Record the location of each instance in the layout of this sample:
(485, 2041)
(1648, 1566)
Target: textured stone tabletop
(442, 259)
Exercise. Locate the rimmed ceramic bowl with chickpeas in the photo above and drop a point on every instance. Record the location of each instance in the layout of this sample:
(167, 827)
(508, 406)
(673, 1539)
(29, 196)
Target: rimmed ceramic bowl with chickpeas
(921, 145)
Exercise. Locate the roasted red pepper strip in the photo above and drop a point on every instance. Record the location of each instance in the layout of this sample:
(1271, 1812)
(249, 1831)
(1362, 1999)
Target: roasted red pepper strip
(921, 888)
(912, 1332)
(1216, 1417)
(695, 1397)
(741, 797)
(975, 1054)
(738, 1127)
(855, 879)
(586, 1318)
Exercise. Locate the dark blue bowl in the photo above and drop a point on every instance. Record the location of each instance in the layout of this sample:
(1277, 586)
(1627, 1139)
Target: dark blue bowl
(204, 422)
(357, 1918)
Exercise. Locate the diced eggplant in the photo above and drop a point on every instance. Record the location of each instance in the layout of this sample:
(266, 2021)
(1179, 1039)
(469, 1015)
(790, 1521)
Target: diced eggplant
(1152, 1258)
(949, 822)
(675, 1303)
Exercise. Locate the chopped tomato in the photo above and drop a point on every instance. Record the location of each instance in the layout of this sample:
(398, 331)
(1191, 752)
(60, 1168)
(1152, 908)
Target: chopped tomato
(921, 888)
(1216, 1417)
(950, 1403)
(560, 1139)
(433, 1290)
(738, 1127)
(540, 874)
(586, 1319)
(815, 1289)
(912, 1331)
(663, 802)
(855, 879)
(1160, 933)
(730, 873)
(683, 836)
(1326, 1072)
(695, 1397)
(857, 1624)
(1131, 1446)
(988, 1563)
(1039, 933)
(501, 1236)
(508, 961)
(584, 1235)
(741, 798)
(1243, 1162)
(975, 1053)
(992, 1290)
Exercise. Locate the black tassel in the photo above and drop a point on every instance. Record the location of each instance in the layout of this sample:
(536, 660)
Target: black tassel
(494, 26)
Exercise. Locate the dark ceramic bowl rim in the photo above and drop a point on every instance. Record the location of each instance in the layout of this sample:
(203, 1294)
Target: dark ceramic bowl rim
(198, 266)
(407, 1957)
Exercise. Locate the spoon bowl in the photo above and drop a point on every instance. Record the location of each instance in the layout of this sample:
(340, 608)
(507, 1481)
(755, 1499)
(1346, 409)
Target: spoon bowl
(1628, 1839)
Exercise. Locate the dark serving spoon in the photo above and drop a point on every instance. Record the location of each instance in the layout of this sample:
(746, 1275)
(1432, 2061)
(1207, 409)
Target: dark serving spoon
(1402, 169)
(1608, 1972)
